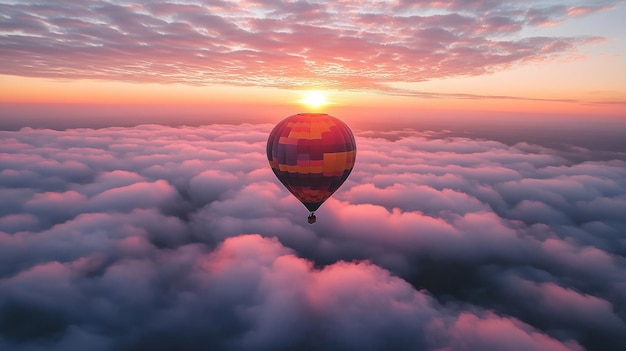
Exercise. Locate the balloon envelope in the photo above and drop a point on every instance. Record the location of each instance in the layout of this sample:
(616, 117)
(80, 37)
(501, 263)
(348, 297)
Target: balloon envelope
(312, 154)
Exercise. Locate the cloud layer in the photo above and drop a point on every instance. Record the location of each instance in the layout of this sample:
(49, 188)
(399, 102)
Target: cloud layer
(287, 44)
(153, 237)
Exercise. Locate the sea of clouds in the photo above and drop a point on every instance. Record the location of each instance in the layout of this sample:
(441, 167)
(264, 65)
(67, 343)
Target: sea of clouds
(181, 238)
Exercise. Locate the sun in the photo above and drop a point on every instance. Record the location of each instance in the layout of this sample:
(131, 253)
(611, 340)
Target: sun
(315, 99)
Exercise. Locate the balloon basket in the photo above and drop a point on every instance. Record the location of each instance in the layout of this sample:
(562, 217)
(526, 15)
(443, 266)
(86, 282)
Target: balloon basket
(312, 218)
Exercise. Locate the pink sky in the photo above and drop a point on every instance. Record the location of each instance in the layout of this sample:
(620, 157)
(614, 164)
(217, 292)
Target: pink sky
(548, 57)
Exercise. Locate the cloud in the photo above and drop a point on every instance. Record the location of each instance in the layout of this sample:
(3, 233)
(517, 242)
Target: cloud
(554, 302)
(348, 45)
(495, 333)
(158, 237)
(250, 293)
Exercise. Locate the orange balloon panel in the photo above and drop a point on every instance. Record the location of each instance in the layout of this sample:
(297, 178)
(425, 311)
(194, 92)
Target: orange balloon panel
(312, 154)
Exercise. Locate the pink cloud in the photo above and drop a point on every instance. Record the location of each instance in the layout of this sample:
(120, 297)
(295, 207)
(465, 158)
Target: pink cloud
(433, 241)
(471, 332)
(138, 195)
(50, 200)
(110, 180)
(417, 198)
(58, 206)
(579, 307)
(349, 45)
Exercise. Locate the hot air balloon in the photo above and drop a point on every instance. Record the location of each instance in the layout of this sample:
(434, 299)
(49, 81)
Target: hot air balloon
(312, 154)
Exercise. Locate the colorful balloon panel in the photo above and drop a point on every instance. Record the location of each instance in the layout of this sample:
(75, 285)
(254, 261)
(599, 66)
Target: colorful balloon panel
(312, 154)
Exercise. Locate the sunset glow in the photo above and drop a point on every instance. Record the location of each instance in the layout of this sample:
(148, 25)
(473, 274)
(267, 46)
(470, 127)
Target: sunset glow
(315, 99)
(564, 58)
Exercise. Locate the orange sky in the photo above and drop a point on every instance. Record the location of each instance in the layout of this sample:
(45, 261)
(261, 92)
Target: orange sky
(543, 99)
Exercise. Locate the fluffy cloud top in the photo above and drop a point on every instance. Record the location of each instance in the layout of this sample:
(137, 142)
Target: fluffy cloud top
(153, 237)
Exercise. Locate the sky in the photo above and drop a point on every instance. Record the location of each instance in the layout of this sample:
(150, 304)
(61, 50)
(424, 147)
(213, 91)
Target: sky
(485, 210)
(199, 58)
